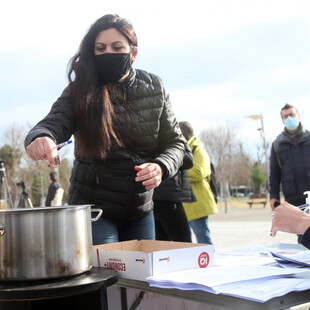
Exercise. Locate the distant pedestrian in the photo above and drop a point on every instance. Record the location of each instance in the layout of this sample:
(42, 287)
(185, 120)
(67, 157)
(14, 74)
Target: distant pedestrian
(55, 192)
(171, 223)
(198, 212)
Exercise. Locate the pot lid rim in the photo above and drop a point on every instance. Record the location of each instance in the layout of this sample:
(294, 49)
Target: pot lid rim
(36, 209)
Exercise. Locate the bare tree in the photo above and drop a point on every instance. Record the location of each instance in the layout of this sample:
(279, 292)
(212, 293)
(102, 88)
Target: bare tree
(258, 163)
(226, 152)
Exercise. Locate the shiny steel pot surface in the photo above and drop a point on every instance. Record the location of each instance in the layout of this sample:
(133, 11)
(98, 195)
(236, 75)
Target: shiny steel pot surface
(45, 243)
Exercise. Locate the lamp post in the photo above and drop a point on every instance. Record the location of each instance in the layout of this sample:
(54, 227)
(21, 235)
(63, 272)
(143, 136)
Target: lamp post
(262, 130)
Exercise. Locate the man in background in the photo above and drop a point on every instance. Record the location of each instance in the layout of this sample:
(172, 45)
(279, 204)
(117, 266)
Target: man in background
(55, 192)
(289, 161)
(198, 212)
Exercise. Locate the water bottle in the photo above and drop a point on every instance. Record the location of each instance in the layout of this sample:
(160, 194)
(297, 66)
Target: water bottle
(307, 205)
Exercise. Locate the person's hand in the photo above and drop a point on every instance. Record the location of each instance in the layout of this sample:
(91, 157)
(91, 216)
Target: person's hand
(272, 202)
(288, 218)
(150, 174)
(43, 148)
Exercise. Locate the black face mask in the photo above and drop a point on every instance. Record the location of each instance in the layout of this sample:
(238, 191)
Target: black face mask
(113, 66)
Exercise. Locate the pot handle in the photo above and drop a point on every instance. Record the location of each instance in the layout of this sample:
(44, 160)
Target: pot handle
(98, 216)
(2, 229)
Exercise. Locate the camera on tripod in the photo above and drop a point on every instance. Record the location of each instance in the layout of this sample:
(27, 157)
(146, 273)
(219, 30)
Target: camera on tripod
(22, 184)
(24, 199)
(5, 194)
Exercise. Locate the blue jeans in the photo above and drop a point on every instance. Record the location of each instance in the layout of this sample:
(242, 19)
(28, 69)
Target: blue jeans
(201, 230)
(109, 231)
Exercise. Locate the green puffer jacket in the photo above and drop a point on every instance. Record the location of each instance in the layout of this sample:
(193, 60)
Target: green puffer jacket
(205, 204)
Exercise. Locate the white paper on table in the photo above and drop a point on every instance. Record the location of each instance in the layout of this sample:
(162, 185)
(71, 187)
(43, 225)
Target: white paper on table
(301, 259)
(215, 276)
(257, 283)
(261, 290)
(244, 260)
(256, 255)
(252, 282)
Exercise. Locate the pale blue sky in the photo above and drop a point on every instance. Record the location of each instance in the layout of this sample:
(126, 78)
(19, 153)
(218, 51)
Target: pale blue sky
(220, 60)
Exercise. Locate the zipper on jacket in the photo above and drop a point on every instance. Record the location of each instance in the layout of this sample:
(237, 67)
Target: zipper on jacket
(124, 90)
(96, 174)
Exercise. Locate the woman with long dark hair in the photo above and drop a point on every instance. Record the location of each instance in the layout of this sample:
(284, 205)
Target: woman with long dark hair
(127, 139)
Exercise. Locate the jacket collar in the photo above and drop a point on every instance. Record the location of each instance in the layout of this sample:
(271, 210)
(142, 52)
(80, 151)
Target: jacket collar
(131, 78)
(296, 135)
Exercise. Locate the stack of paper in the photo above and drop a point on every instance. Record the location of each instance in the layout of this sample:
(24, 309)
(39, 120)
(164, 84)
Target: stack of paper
(249, 282)
(261, 290)
(299, 260)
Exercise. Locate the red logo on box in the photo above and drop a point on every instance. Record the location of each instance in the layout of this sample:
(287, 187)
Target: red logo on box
(203, 260)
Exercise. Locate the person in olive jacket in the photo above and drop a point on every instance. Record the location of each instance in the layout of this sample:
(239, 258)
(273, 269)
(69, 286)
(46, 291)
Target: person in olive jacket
(198, 212)
(127, 138)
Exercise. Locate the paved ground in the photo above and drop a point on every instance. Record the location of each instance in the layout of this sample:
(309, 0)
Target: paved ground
(244, 227)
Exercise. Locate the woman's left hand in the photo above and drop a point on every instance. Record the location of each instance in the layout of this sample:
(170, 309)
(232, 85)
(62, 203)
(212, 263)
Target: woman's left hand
(150, 174)
(291, 219)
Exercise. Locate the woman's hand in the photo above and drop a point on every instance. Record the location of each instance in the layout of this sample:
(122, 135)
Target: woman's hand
(288, 218)
(43, 148)
(150, 174)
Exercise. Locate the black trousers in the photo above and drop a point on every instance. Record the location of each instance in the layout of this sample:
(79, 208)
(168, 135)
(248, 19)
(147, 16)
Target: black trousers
(171, 223)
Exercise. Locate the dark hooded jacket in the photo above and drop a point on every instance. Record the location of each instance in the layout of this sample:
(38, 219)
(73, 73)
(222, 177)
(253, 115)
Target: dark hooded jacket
(290, 167)
(178, 188)
(54, 186)
(150, 133)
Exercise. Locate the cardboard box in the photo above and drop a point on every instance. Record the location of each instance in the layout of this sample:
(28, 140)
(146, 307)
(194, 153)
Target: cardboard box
(140, 259)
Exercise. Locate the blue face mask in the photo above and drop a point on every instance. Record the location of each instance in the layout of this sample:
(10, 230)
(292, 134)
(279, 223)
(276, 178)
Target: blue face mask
(291, 123)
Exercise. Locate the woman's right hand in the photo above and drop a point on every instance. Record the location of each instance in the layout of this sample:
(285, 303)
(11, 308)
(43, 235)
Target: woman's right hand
(43, 148)
(150, 174)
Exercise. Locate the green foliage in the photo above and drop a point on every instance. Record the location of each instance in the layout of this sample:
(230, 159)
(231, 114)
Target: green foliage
(258, 178)
(6, 155)
(36, 187)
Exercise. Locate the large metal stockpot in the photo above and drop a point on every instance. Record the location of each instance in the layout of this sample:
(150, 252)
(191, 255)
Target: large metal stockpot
(45, 243)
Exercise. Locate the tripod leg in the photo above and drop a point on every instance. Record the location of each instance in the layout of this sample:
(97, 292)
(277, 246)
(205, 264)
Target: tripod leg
(30, 203)
(21, 201)
(8, 191)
